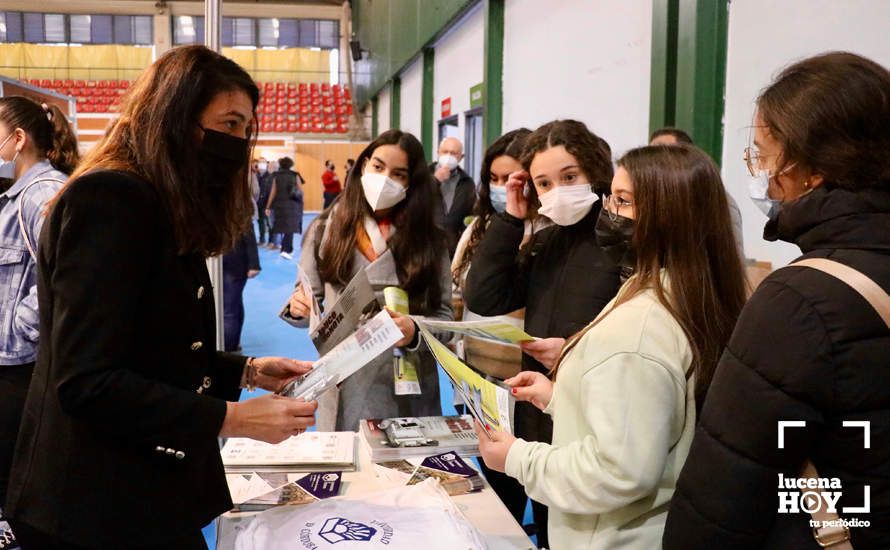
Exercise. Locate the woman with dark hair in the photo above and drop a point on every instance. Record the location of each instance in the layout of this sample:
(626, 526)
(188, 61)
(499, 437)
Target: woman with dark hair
(625, 388)
(37, 152)
(808, 348)
(561, 276)
(118, 441)
(285, 205)
(382, 223)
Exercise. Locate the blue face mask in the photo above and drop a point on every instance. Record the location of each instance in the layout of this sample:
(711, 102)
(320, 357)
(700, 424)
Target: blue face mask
(498, 197)
(7, 167)
(757, 190)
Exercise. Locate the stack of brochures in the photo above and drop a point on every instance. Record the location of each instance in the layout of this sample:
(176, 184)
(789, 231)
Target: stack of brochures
(453, 473)
(307, 452)
(255, 492)
(396, 438)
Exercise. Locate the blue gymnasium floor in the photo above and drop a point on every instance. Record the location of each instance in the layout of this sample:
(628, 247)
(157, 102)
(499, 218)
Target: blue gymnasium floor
(265, 334)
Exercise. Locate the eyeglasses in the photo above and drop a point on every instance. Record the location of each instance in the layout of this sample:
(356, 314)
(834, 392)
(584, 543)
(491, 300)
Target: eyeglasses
(613, 205)
(754, 160)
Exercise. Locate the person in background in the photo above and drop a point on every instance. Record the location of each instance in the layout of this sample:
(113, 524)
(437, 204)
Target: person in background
(119, 439)
(239, 265)
(561, 276)
(348, 169)
(625, 389)
(383, 224)
(38, 150)
(285, 205)
(458, 192)
(331, 183)
(807, 347)
(673, 136)
(264, 179)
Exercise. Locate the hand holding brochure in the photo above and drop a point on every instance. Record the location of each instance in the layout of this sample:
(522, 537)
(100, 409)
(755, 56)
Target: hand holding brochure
(357, 303)
(491, 404)
(376, 336)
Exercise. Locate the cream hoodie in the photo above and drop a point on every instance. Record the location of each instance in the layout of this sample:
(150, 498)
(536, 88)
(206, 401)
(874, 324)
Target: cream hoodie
(623, 420)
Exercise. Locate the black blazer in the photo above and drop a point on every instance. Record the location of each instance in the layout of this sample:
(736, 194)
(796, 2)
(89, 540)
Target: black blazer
(119, 437)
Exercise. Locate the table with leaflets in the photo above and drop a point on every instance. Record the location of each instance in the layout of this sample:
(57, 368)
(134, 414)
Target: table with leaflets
(483, 509)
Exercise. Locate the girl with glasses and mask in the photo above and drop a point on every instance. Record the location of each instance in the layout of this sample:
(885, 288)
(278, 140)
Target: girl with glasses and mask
(561, 276)
(382, 223)
(37, 152)
(808, 348)
(119, 439)
(625, 390)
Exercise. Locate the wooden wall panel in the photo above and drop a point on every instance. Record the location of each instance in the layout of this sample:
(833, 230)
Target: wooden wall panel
(309, 160)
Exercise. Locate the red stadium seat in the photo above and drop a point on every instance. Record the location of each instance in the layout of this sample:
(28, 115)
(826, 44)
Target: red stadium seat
(292, 127)
(279, 127)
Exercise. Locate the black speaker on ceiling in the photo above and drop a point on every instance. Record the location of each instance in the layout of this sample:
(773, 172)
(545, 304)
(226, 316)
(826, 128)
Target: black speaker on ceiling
(356, 49)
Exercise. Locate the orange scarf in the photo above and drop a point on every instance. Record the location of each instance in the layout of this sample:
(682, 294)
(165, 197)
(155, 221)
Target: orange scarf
(363, 240)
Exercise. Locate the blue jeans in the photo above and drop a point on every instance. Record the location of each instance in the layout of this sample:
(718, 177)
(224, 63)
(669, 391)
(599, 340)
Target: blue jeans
(233, 309)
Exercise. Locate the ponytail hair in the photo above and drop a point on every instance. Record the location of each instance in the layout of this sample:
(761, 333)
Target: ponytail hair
(46, 126)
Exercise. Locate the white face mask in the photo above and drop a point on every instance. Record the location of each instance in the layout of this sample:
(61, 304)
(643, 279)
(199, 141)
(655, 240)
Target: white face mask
(448, 160)
(758, 187)
(567, 204)
(7, 167)
(382, 192)
(262, 166)
(498, 197)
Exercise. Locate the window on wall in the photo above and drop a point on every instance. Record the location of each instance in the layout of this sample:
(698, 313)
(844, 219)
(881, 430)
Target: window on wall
(261, 33)
(188, 29)
(11, 26)
(77, 29)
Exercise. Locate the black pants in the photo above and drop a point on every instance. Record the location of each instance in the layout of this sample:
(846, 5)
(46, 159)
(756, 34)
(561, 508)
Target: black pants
(14, 382)
(287, 242)
(233, 309)
(329, 198)
(32, 539)
(263, 225)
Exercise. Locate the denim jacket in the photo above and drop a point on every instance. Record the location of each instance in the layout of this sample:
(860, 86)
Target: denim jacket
(19, 321)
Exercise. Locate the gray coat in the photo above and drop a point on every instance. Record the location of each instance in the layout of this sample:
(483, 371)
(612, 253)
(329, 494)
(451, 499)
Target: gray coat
(369, 393)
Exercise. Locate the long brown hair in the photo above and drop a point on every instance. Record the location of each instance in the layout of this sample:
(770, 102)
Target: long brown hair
(511, 145)
(155, 138)
(47, 128)
(418, 245)
(683, 226)
(831, 114)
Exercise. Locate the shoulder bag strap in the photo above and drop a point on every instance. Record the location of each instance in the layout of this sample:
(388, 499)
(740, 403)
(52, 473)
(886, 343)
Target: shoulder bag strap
(21, 216)
(838, 537)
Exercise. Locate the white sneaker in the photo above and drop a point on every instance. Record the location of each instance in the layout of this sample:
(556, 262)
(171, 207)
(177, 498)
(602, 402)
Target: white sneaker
(286, 256)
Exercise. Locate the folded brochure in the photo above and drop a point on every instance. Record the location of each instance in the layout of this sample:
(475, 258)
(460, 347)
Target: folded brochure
(489, 329)
(453, 473)
(490, 403)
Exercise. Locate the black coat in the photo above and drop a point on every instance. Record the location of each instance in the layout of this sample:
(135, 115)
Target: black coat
(806, 347)
(116, 445)
(562, 280)
(287, 213)
(461, 207)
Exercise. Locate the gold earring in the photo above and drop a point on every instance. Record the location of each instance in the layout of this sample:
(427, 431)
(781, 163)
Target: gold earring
(806, 185)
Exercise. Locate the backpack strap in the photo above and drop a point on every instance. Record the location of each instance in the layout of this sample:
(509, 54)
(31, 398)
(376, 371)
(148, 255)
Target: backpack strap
(876, 296)
(837, 537)
(21, 216)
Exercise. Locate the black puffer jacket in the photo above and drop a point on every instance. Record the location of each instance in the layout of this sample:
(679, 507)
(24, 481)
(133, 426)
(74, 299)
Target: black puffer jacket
(563, 281)
(806, 347)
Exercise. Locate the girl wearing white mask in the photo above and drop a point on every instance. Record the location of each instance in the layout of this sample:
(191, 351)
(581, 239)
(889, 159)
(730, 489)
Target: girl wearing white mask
(561, 276)
(382, 223)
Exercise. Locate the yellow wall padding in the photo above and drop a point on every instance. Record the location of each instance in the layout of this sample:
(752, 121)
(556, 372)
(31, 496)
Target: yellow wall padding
(115, 61)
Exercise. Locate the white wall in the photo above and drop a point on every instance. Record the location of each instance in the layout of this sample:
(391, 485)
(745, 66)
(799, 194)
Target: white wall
(412, 87)
(383, 110)
(582, 59)
(765, 36)
(458, 66)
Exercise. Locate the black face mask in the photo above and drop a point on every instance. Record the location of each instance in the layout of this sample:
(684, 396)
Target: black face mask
(614, 237)
(221, 156)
